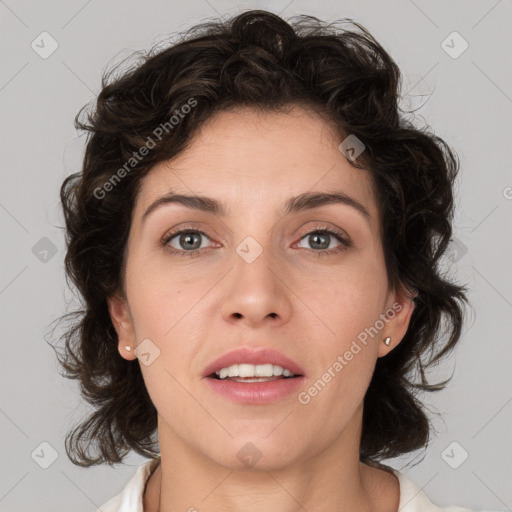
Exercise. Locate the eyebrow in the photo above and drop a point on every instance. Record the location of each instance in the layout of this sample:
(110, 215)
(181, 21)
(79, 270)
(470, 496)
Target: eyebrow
(302, 202)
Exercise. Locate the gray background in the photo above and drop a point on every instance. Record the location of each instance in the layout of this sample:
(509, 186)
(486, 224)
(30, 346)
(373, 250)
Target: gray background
(468, 102)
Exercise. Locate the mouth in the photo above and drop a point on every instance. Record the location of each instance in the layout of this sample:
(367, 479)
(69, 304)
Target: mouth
(254, 390)
(248, 363)
(254, 376)
(249, 373)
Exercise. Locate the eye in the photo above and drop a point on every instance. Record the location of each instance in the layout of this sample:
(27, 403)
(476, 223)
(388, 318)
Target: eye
(320, 240)
(185, 242)
(189, 242)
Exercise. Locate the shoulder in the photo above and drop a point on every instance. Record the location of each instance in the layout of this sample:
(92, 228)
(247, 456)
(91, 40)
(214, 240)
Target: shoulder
(413, 499)
(130, 498)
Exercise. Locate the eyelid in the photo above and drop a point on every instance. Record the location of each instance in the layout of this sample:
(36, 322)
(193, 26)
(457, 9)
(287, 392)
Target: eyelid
(179, 229)
(343, 238)
(341, 234)
(324, 226)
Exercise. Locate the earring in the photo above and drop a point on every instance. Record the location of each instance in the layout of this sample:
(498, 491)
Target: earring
(128, 348)
(387, 341)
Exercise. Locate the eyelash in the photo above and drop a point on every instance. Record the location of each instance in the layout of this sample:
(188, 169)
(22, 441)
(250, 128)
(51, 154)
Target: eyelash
(345, 242)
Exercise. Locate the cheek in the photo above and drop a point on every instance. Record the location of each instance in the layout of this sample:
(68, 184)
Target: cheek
(349, 299)
(346, 354)
(347, 306)
(165, 310)
(160, 300)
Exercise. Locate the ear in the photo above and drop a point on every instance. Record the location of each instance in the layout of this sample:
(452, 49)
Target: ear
(400, 308)
(121, 318)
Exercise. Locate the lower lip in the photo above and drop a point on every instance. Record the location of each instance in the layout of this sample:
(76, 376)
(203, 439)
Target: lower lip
(255, 392)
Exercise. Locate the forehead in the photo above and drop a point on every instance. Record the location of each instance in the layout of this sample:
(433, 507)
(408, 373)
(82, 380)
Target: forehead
(246, 157)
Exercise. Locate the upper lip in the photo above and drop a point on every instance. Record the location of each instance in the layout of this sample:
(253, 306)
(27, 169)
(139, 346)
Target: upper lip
(252, 356)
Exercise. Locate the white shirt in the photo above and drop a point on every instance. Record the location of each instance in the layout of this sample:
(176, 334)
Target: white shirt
(412, 498)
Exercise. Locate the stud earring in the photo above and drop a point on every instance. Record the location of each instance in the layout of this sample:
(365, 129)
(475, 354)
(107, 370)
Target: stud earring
(387, 341)
(128, 348)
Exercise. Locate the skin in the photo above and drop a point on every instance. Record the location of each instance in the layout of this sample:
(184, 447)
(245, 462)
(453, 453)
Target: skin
(306, 306)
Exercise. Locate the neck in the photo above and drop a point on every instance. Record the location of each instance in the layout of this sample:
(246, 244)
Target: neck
(331, 479)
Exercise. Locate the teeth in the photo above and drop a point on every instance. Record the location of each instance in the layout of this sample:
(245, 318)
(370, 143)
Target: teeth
(234, 371)
(251, 370)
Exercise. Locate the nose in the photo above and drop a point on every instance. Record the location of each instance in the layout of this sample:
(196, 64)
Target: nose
(256, 290)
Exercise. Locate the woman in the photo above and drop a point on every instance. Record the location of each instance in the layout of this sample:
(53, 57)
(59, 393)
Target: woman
(256, 234)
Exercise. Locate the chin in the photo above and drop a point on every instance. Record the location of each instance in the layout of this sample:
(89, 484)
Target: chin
(253, 453)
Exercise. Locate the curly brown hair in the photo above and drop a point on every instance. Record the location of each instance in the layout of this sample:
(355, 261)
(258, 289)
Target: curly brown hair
(259, 60)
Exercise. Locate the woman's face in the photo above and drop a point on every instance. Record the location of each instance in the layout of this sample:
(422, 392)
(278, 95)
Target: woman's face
(258, 278)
